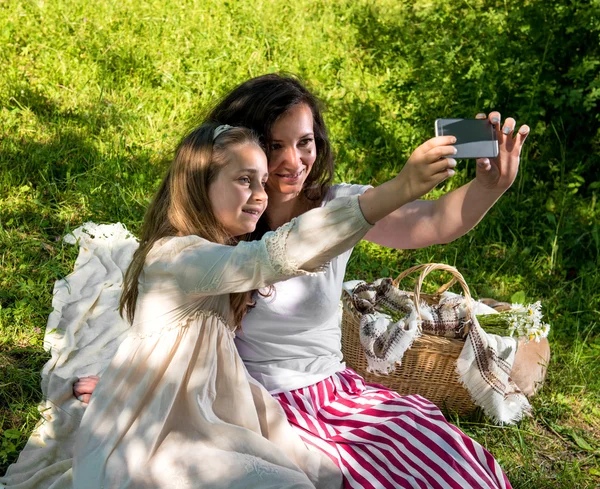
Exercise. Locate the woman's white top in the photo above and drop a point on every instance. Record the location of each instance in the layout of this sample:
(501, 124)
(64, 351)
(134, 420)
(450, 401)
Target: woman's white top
(292, 339)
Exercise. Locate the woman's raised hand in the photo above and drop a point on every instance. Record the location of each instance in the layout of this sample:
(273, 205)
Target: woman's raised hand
(499, 173)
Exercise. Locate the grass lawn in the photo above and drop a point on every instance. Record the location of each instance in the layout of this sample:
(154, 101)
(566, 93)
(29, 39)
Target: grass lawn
(94, 96)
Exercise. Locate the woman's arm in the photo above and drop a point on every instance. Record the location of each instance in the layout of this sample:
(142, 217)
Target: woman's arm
(423, 223)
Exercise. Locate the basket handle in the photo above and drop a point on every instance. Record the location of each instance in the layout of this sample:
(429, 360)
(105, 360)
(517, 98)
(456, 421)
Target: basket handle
(416, 268)
(428, 268)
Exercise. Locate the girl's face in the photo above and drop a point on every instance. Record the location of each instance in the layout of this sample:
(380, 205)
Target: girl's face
(238, 196)
(293, 151)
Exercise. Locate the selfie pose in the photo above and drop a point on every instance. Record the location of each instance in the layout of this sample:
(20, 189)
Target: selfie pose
(175, 407)
(290, 339)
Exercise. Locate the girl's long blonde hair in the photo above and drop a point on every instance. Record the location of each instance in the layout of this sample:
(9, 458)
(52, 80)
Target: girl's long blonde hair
(181, 206)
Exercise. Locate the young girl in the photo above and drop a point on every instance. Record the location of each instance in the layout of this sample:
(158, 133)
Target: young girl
(175, 408)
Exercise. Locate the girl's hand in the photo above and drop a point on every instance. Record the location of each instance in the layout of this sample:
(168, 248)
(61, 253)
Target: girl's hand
(425, 168)
(428, 166)
(499, 173)
(83, 388)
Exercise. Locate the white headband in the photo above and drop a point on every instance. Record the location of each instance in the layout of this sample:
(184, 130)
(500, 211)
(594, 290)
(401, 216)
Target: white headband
(220, 130)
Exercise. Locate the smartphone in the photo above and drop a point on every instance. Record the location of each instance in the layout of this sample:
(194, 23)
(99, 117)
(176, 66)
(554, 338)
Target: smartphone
(475, 138)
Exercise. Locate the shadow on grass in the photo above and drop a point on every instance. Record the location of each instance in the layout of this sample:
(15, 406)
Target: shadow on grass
(48, 188)
(89, 119)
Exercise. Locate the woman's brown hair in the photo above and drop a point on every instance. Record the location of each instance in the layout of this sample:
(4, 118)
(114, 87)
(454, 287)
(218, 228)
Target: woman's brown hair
(259, 102)
(181, 206)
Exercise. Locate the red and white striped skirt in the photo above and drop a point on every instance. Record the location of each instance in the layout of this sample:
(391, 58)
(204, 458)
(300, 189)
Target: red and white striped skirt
(380, 439)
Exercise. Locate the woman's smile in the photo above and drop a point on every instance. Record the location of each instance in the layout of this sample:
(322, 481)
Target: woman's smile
(291, 176)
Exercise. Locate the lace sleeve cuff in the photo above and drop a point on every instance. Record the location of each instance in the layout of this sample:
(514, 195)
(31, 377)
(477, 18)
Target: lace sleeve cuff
(283, 264)
(304, 245)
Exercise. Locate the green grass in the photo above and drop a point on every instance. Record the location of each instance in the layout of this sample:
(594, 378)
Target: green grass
(93, 97)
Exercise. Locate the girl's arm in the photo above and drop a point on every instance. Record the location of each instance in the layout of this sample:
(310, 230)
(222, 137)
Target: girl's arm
(304, 244)
(299, 247)
(425, 222)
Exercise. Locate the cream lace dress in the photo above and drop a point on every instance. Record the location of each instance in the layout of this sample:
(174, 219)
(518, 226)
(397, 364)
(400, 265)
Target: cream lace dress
(176, 407)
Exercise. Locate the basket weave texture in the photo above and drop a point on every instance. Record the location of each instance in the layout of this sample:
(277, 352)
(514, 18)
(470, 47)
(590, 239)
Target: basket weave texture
(429, 366)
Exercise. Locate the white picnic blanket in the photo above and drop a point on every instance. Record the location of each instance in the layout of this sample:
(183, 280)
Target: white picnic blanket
(82, 335)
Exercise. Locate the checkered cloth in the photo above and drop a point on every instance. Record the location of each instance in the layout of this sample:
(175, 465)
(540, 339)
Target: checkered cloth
(390, 324)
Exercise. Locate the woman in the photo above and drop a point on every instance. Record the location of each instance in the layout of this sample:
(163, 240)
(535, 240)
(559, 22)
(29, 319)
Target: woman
(290, 342)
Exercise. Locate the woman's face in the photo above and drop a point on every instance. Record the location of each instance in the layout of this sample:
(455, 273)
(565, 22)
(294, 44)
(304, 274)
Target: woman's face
(293, 151)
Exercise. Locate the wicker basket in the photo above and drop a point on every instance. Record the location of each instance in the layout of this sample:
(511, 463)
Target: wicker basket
(429, 366)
